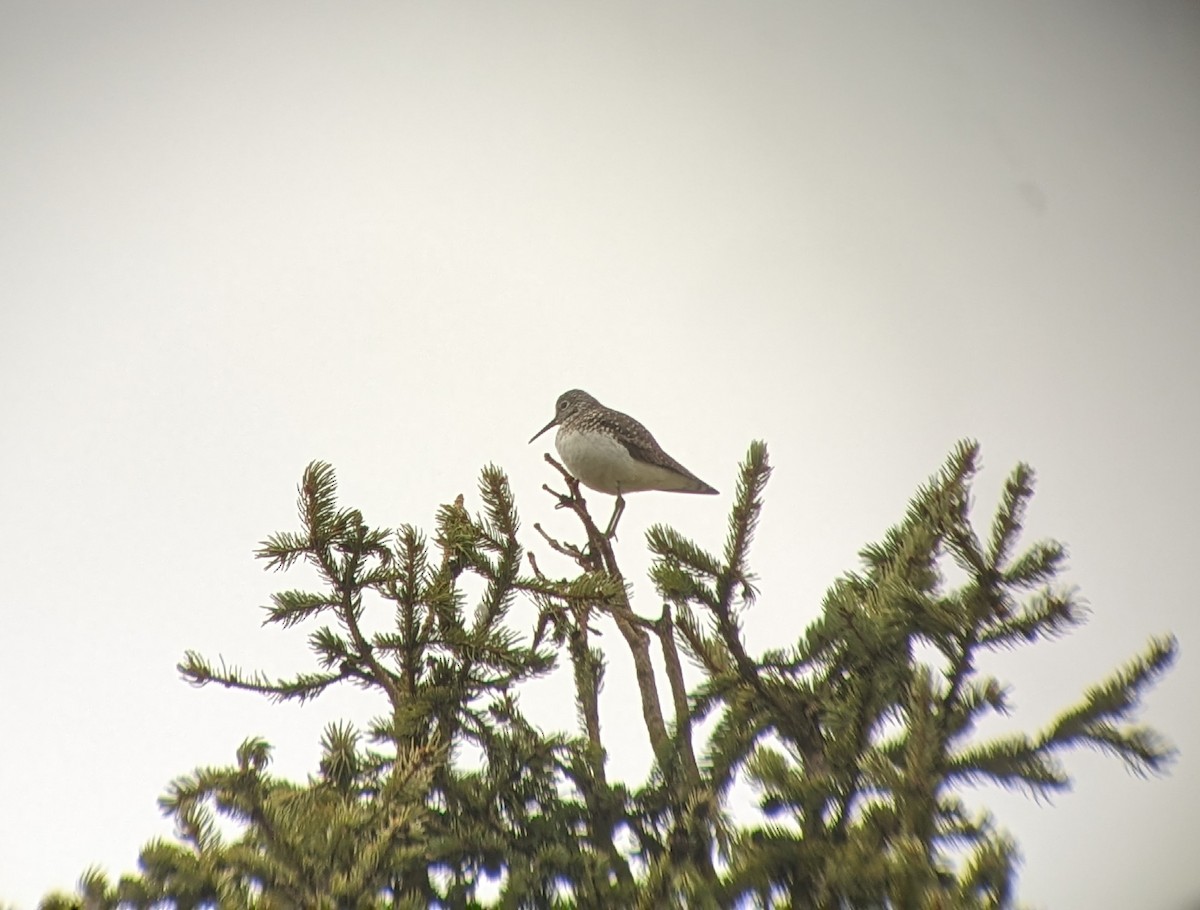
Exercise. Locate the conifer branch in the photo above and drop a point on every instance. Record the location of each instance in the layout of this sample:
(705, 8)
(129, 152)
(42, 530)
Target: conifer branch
(1098, 720)
(1036, 566)
(1044, 615)
(743, 521)
(1010, 516)
(1012, 761)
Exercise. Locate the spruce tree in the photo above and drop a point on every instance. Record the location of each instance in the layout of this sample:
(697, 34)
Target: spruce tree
(859, 739)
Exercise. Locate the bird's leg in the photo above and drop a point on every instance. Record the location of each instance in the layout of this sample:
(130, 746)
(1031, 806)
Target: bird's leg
(610, 532)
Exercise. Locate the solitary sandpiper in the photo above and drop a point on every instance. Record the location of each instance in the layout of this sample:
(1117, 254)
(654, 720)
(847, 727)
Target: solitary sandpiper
(613, 453)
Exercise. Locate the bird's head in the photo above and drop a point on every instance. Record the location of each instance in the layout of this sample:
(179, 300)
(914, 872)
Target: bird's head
(569, 403)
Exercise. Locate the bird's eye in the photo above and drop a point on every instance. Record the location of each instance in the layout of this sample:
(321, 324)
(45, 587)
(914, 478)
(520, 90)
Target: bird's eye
(562, 405)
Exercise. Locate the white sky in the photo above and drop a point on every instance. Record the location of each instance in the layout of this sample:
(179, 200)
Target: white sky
(238, 237)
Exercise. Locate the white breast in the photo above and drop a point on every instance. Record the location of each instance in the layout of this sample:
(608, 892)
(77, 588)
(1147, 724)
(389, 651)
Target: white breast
(602, 463)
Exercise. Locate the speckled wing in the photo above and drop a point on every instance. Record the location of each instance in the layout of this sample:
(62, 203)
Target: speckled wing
(641, 445)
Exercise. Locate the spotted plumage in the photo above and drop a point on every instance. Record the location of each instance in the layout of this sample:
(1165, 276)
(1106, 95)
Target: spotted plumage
(612, 453)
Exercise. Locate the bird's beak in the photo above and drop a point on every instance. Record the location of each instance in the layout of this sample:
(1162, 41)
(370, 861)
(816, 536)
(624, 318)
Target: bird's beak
(543, 429)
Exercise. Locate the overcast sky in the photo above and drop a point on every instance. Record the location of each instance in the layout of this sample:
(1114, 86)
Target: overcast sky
(238, 237)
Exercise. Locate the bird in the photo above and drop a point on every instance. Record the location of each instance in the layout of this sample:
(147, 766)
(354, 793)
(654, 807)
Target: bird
(612, 453)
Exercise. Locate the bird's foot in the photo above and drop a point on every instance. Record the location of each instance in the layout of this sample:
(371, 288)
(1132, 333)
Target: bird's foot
(565, 501)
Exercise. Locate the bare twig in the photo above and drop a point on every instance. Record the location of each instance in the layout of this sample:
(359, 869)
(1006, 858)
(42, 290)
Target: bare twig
(599, 557)
(537, 572)
(565, 549)
(683, 714)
